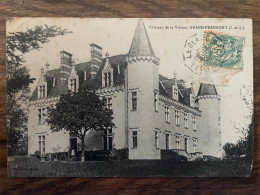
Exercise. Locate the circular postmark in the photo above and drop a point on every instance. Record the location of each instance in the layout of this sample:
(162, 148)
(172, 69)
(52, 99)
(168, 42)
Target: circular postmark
(192, 52)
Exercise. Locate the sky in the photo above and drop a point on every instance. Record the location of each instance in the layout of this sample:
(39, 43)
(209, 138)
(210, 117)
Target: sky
(115, 36)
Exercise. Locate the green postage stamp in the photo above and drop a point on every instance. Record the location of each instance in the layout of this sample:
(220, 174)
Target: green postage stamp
(222, 57)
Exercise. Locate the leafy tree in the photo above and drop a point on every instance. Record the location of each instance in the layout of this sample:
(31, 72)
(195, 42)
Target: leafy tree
(233, 150)
(78, 113)
(19, 79)
(243, 148)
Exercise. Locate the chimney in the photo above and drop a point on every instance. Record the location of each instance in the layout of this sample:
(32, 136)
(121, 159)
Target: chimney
(65, 65)
(47, 66)
(181, 82)
(96, 59)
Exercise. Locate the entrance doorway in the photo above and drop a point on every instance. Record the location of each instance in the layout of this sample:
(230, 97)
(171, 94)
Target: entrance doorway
(73, 145)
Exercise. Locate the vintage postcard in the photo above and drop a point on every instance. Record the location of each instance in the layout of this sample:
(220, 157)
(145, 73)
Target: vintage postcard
(129, 97)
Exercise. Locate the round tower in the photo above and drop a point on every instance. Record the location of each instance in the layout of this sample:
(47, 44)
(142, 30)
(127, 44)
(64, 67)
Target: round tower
(142, 82)
(210, 131)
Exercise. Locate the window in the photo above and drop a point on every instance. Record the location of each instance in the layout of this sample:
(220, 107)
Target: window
(108, 102)
(167, 140)
(107, 79)
(177, 117)
(175, 93)
(108, 139)
(194, 126)
(134, 136)
(73, 86)
(178, 142)
(167, 114)
(186, 123)
(41, 143)
(134, 100)
(156, 101)
(220, 147)
(42, 91)
(156, 139)
(195, 145)
(192, 101)
(219, 125)
(186, 147)
(41, 116)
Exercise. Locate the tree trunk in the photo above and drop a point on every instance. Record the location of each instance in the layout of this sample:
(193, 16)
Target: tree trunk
(82, 149)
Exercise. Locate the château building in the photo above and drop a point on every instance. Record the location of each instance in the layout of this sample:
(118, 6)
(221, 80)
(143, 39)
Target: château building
(151, 112)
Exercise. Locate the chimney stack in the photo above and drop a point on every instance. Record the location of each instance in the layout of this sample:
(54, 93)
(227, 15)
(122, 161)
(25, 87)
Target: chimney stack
(65, 65)
(96, 59)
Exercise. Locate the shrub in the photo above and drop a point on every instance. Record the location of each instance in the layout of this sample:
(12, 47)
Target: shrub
(98, 155)
(104, 155)
(119, 154)
(59, 156)
(199, 159)
(172, 155)
(37, 154)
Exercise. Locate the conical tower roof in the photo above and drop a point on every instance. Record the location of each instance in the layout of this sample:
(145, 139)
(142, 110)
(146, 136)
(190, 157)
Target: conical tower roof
(141, 45)
(207, 89)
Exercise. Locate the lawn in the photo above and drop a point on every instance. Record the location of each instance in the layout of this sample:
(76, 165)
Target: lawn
(21, 166)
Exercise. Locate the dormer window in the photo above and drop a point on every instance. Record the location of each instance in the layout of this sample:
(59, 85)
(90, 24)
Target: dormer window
(42, 91)
(107, 79)
(73, 80)
(107, 73)
(175, 94)
(73, 85)
(192, 100)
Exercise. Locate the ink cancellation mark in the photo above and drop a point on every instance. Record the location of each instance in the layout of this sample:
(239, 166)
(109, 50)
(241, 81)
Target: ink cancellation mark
(192, 55)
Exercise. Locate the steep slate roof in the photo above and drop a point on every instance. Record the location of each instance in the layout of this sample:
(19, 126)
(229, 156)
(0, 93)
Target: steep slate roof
(185, 92)
(118, 75)
(180, 84)
(161, 78)
(207, 89)
(165, 88)
(141, 45)
(61, 88)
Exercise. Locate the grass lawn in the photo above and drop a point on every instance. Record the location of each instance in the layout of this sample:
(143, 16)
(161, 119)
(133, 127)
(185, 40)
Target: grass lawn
(21, 166)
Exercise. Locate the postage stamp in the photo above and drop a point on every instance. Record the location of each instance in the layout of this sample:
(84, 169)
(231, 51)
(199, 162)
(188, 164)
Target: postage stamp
(222, 57)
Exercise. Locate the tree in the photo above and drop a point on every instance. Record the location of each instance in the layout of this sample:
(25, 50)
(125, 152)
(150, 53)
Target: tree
(19, 79)
(243, 148)
(78, 113)
(233, 151)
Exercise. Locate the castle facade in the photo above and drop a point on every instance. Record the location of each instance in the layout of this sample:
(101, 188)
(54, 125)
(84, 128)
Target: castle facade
(151, 112)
